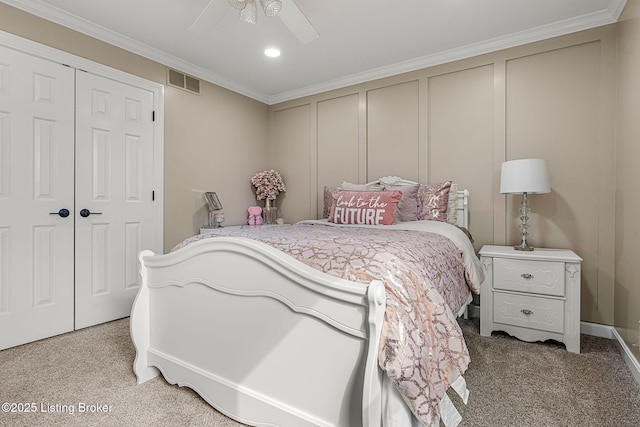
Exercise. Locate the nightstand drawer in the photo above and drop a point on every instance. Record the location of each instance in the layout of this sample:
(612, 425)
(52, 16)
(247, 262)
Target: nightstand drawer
(544, 314)
(538, 277)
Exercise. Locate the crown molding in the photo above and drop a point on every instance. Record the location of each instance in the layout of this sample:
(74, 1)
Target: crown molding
(86, 27)
(606, 16)
(560, 28)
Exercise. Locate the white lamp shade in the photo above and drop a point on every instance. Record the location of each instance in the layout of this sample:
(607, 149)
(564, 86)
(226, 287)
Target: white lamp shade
(525, 176)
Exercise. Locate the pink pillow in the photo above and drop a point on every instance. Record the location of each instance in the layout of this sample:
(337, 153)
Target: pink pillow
(364, 207)
(408, 206)
(433, 200)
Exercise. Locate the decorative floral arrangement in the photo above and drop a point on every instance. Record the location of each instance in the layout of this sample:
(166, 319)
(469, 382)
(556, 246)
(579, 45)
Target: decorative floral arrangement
(268, 184)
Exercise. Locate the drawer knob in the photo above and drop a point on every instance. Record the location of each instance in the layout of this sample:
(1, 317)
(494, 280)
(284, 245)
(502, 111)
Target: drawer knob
(526, 276)
(526, 312)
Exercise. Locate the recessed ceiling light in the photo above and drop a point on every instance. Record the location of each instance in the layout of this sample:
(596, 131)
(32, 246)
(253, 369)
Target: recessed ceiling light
(272, 52)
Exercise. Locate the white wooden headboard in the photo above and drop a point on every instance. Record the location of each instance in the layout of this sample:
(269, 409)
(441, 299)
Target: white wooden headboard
(462, 197)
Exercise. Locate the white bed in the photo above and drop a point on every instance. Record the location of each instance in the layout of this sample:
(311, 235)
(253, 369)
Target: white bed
(266, 339)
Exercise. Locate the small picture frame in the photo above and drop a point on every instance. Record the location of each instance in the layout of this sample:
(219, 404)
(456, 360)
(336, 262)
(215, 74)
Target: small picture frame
(213, 201)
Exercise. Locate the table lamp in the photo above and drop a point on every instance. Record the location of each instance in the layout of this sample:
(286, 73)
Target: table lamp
(524, 176)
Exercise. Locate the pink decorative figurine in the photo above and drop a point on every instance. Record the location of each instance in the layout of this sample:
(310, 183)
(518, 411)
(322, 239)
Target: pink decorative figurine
(255, 215)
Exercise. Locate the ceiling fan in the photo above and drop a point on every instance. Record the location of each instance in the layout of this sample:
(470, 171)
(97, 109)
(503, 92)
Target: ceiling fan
(286, 10)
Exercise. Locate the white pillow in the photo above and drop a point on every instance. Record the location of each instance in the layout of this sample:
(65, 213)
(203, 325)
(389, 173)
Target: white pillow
(360, 187)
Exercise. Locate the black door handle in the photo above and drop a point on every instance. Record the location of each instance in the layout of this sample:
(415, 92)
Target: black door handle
(86, 212)
(62, 212)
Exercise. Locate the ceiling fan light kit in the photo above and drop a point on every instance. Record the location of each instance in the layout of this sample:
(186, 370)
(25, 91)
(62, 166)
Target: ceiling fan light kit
(271, 7)
(249, 8)
(238, 4)
(250, 12)
(285, 10)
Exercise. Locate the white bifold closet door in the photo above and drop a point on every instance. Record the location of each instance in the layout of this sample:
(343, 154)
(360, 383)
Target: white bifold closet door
(76, 196)
(114, 187)
(36, 181)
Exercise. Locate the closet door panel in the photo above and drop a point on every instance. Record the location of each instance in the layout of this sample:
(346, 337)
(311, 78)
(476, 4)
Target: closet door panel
(114, 166)
(36, 182)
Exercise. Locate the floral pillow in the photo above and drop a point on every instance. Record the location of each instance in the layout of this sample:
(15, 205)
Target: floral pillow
(433, 201)
(364, 207)
(327, 200)
(452, 209)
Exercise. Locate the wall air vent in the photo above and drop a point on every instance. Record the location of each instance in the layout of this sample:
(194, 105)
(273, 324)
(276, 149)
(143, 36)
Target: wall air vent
(183, 81)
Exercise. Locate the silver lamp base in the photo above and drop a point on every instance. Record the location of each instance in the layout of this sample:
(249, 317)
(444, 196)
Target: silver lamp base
(524, 226)
(523, 247)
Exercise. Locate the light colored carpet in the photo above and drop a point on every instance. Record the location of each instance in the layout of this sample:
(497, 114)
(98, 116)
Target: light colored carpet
(95, 366)
(512, 383)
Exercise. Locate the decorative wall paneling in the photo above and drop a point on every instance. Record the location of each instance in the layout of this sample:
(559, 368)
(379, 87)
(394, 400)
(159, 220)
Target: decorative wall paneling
(554, 99)
(461, 139)
(627, 208)
(393, 123)
(338, 145)
(555, 111)
(293, 155)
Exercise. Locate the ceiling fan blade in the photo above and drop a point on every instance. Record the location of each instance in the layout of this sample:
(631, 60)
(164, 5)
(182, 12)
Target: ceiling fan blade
(297, 23)
(210, 16)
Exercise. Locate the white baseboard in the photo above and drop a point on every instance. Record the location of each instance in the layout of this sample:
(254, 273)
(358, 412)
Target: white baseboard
(473, 310)
(596, 330)
(628, 356)
(605, 331)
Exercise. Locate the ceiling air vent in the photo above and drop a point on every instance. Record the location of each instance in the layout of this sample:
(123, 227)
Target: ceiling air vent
(183, 81)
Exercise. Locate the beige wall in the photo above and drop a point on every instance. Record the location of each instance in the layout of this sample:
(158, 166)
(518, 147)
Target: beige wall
(627, 207)
(213, 142)
(553, 99)
(554, 110)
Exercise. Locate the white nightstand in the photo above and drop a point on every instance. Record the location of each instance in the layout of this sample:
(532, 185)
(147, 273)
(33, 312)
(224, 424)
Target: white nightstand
(205, 230)
(534, 296)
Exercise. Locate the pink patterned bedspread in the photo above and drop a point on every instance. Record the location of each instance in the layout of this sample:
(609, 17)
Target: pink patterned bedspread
(427, 281)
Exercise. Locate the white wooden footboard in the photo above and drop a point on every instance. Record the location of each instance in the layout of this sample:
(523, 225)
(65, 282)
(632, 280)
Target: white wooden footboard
(262, 337)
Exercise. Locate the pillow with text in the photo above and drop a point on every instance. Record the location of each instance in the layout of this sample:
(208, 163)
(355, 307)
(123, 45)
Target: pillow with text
(364, 207)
